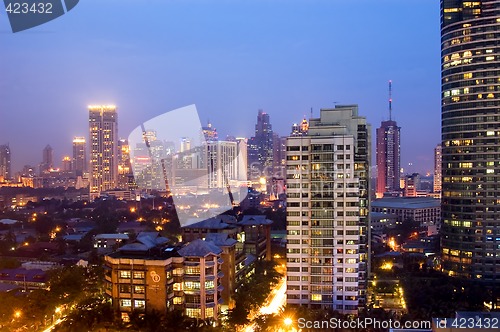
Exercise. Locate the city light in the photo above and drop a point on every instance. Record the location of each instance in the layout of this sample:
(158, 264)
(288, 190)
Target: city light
(288, 321)
(17, 313)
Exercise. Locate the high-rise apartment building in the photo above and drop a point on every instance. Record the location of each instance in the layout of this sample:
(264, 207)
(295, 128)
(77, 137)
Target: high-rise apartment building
(260, 147)
(388, 158)
(470, 138)
(103, 126)
(327, 212)
(79, 155)
(5, 168)
(438, 160)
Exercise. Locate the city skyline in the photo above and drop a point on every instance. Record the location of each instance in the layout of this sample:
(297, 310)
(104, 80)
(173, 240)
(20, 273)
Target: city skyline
(322, 68)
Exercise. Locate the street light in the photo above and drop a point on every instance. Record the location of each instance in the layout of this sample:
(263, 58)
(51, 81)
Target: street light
(17, 313)
(288, 321)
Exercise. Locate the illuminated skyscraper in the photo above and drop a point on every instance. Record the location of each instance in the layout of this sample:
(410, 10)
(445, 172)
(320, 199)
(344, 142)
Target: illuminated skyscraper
(438, 159)
(388, 157)
(103, 126)
(260, 147)
(470, 74)
(327, 212)
(5, 169)
(79, 155)
(66, 164)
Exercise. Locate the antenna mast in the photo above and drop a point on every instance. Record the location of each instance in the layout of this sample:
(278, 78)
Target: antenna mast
(390, 100)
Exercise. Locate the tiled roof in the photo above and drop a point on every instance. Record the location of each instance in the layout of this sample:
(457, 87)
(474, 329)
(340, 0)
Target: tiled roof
(250, 220)
(199, 248)
(406, 202)
(220, 239)
(112, 236)
(211, 223)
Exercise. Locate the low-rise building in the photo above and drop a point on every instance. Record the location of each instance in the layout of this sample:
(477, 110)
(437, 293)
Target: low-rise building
(24, 278)
(149, 275)
(425, 210)
(109, 241)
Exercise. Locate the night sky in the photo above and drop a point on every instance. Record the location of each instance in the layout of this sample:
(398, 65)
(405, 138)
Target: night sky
(230, 58)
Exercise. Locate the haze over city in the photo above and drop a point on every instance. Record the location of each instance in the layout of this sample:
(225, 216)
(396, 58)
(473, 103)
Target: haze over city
(230, 58)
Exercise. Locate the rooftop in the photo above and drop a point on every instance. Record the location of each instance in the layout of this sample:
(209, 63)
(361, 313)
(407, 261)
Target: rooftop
(199, 248)
(220, 239)
(406, 202)
(250, 220)
(112, 236)
(21, 274)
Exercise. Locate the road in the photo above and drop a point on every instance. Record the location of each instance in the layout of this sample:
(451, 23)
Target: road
(275, 300)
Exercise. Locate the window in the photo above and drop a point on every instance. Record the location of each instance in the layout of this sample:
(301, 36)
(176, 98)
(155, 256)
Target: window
(139, 289)
(125, 303)
(125, 274)
(124, 288)
(192, 285)
(209, 312)
(140, 304)
(138, 274)
(193, 313)
(315, 297)
(209, 284)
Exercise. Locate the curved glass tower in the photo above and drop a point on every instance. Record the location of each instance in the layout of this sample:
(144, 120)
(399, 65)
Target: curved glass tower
(470, 50)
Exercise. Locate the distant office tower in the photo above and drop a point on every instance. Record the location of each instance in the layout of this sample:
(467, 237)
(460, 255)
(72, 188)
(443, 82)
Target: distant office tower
(327, 212)
(210, 133)
(300, 129)
(124, 166)
(66, 164)
(471, 139)
(260, 147)
(47, 159)
(103, 126)
(148, 169)
(388, 157)
(79, 155)
(438, 159)
(5, 169)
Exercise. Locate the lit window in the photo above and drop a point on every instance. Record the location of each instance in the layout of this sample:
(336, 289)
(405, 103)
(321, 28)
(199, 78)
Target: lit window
(316, 297)
(141, 304)
(125, 274)
(125, 303)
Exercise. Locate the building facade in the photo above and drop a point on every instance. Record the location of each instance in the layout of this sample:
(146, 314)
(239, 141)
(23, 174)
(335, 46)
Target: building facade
(103, 126)
(388, 157)
(470, 139)
(438, 160)
(5, 168)
(327, 212)
(79, 155)
(147, 276)
(425, 210)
